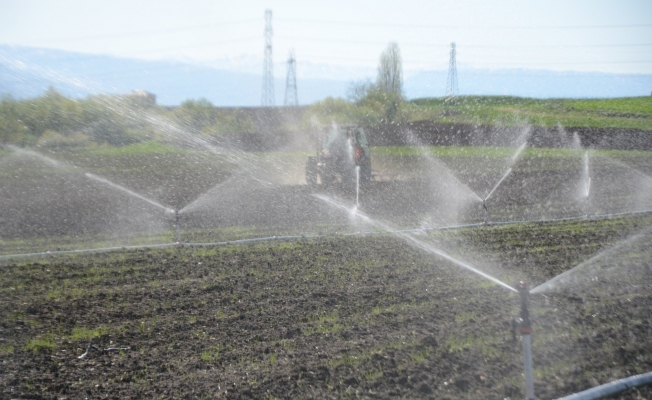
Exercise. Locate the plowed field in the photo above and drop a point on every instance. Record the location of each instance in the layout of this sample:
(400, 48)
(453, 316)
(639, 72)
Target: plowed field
(365, 317)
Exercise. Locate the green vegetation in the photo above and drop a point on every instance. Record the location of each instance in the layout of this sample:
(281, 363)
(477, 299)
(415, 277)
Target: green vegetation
(54, 121)
(368, 106)
(82, 333)
(41, 344)
(632, 112)
(212, 354)
(495, 152)
(6, 349)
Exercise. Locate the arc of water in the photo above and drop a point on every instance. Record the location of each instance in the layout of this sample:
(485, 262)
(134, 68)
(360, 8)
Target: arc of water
(587, 182)
(166, 126)
(357, 185)
(56, 163)
(40, 156)
(436, 164)
(411, 240)
(124, 189)
(567, 274)
(512, 160)
(498, 184)
(236, 178)
(621, 164)
(587, 176)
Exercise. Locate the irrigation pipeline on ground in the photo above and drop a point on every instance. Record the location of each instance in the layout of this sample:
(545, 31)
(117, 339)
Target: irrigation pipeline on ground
(611, 388)
(298, 237)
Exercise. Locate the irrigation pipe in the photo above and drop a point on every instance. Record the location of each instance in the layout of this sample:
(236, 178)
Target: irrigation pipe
(297, 237)
(611, 387)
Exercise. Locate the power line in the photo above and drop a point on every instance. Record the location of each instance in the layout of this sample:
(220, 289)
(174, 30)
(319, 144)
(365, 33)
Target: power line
(322, 57)
(434, 26)
(197, 45)
(364, 42)
(154, 31)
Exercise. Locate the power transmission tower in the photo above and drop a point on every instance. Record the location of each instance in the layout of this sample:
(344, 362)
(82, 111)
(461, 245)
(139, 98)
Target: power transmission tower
(451, 82)
(291, 98)
(268, 72)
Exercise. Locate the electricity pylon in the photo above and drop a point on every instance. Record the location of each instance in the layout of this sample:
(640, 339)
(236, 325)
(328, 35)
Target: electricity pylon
(451, 83)
(291, 98)
(267, 98)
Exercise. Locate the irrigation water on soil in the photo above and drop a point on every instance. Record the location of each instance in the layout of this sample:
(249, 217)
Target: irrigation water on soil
(130, 192)
(510, 164)
(631, 187)
(588, 270)
(408, 238)
(356, 212)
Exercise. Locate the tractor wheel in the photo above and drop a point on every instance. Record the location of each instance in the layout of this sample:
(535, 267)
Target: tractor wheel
(311, 171)
(365, 171)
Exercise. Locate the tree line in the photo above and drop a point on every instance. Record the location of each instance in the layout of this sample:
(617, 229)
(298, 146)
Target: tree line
(55, 120)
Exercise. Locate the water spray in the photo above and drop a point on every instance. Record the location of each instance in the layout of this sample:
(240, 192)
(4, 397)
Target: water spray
(176, 225)
(587, 183)
(523, 326)
(357, 186)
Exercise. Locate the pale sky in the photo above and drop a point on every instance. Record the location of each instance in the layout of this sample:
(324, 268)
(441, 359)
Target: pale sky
(582, 35)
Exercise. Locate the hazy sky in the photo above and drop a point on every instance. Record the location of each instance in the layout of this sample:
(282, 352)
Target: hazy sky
(582, 35)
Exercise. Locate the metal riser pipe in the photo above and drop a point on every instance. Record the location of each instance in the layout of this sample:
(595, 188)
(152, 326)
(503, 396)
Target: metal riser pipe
(527, 362)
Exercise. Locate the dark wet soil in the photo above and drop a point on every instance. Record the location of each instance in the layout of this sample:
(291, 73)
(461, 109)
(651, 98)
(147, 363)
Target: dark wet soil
(336, 317)
(65, 208)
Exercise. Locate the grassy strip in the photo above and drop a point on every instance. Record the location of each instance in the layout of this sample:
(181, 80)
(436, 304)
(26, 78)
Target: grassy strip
(495, 152)
(630, 112)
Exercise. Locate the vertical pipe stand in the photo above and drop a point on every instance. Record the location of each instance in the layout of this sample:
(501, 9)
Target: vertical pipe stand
(527, 360)
(525, 329)
(485, 215)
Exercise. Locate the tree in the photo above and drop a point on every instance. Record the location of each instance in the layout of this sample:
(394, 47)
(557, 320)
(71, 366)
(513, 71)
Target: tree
(358, 90)
(196, 114)
(390, 71)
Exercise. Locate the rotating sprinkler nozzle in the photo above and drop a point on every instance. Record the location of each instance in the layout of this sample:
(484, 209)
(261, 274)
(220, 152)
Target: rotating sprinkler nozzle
(524, 327)
(485, 215)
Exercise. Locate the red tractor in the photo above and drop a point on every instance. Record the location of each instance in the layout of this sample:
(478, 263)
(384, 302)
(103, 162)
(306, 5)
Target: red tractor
(342, 152)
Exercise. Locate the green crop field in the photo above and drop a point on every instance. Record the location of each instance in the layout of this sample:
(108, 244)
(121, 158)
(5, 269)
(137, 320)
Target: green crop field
(630, 112)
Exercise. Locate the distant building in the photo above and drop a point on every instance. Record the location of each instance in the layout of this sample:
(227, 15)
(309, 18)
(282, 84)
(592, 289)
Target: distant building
(144, 96)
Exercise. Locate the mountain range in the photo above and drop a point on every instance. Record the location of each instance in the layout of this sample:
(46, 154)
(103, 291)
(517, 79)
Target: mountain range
(27, 72)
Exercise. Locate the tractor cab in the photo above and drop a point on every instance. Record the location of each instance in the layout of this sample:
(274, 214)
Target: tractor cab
(340, 151)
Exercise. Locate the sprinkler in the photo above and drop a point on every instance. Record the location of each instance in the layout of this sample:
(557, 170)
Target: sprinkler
(176, 225)
(587, 199)
(485, 215)
(524, 327)
(587, 207)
